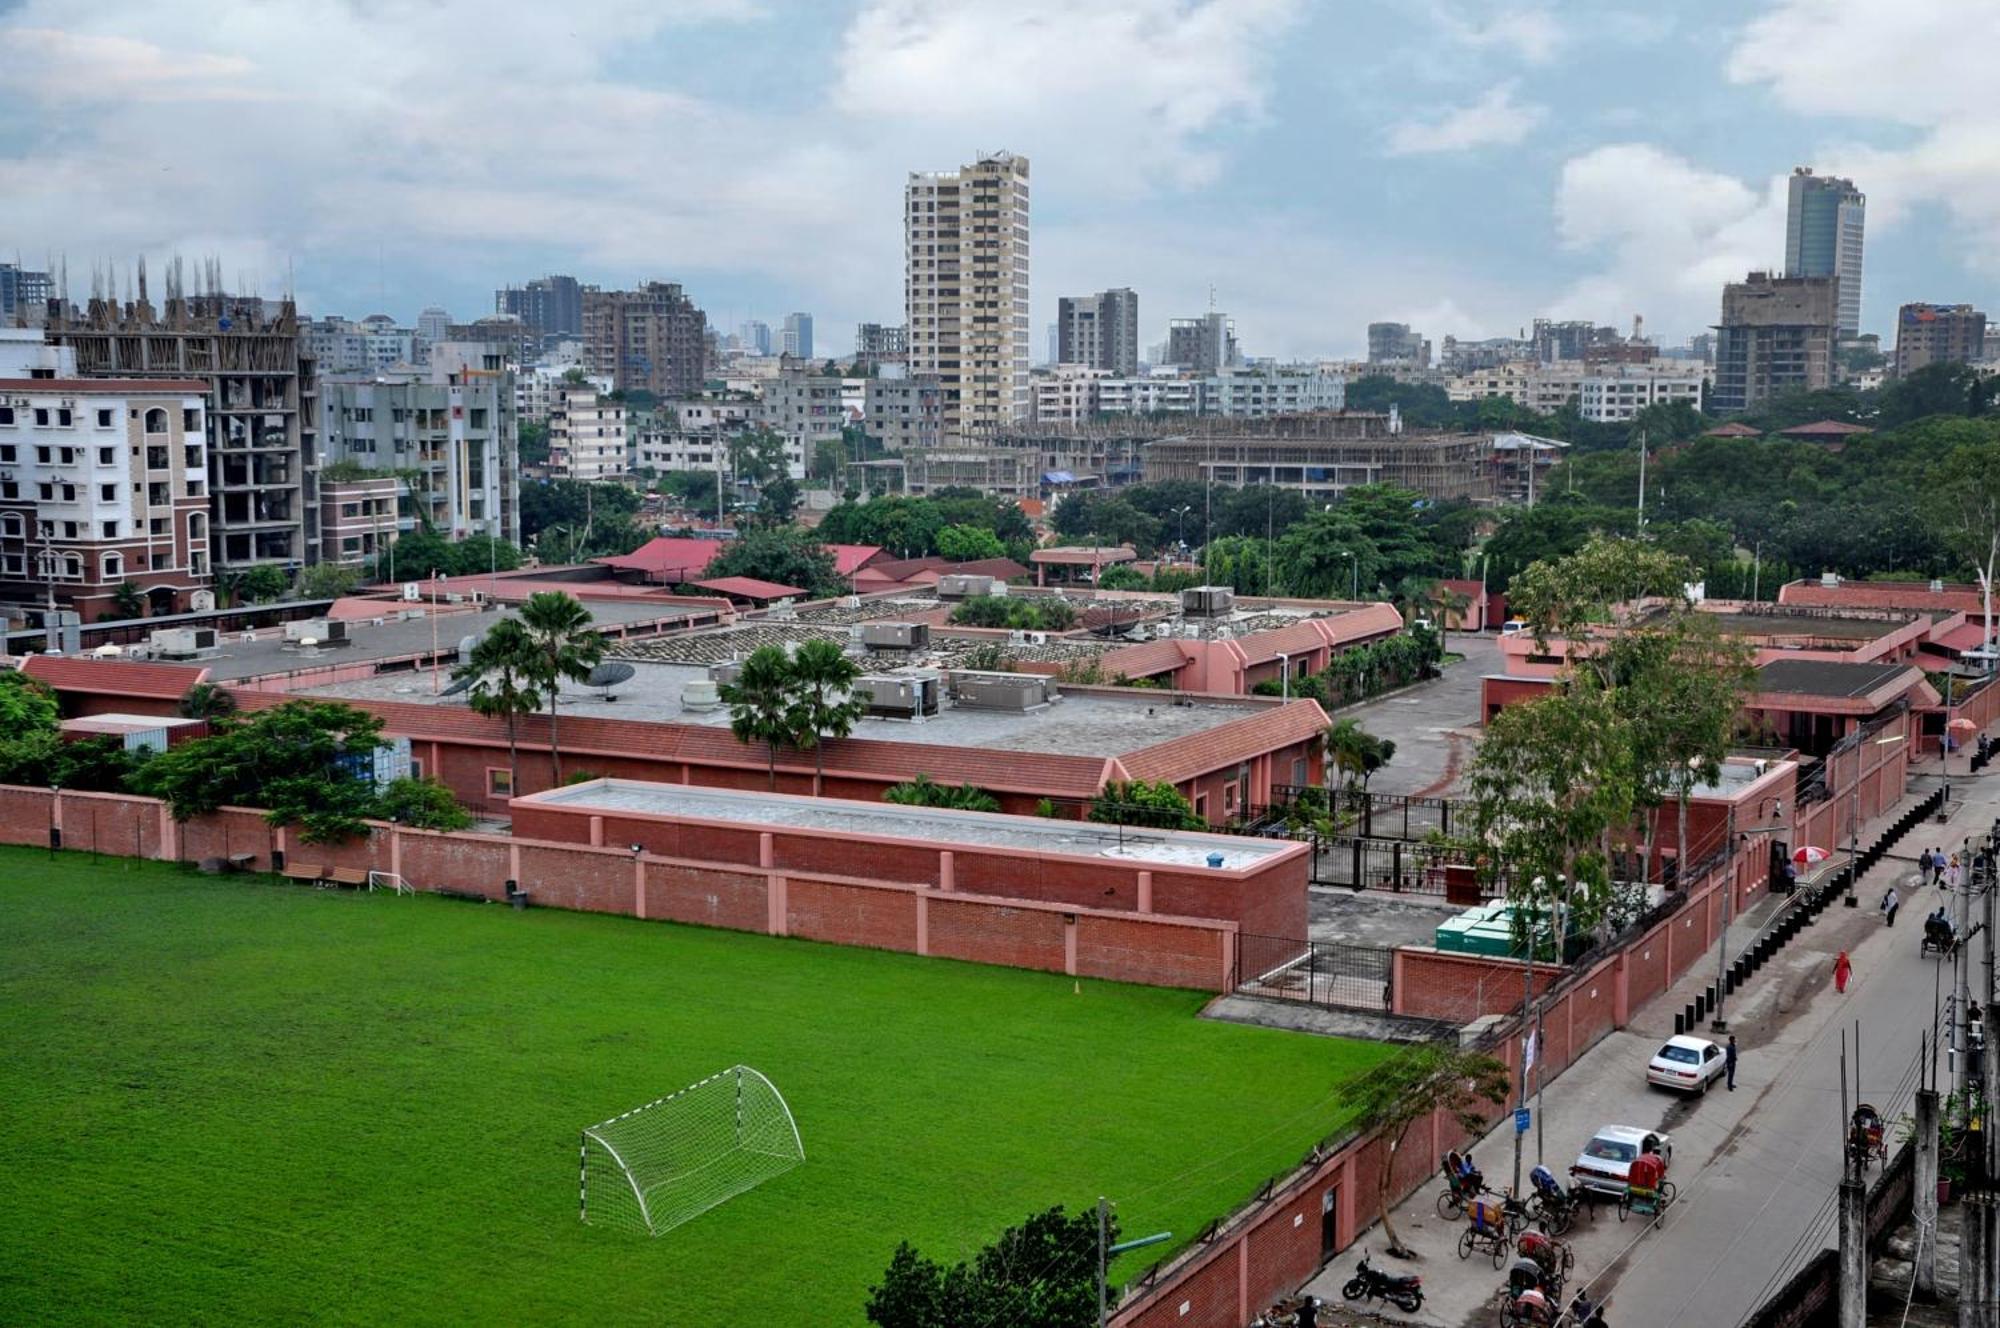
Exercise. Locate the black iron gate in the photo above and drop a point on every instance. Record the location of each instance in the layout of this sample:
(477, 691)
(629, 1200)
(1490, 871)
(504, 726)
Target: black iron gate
(1331, 973)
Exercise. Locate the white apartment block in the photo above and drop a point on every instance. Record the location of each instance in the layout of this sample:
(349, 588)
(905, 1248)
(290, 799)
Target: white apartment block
(804, 409)
(1613, 393)
(586, 434)
(1068, 393)
(902, 412)
(451, 434)
(692, 434)
(1544, 388)
(1256, 393)
(536, 389)
(1160, 395)
(103, 481)
(965, 290)
(343, 347)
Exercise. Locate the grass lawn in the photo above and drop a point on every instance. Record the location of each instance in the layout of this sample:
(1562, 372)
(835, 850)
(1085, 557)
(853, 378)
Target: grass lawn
(237, 1100)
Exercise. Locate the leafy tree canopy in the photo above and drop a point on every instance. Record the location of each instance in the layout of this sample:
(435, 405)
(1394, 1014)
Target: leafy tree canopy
(784, 554)
(1041, 1274)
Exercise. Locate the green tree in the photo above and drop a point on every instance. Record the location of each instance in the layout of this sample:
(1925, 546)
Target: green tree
(207, 700)
(760, 704)
(564, 646)
(1355, 752)
(825, 706)
(923, 791)
(1259, 510)
(587, 508)
(1041, 1274)
(503, 668)
(531, 442)
(27, 705)
(1965, 507)
(1016, 613)
(1143, 802)
(127, 601)
(1238, 561)
(328, 581)
(422, 804)
(266, 582)
(1423, 405)
(786, 555)
(1426, 1077)
(967, 543)
(1326, 556)
(1937, 389)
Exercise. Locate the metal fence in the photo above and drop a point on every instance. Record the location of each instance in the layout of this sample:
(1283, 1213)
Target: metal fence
(1398, 865)
(1377, 815)
(1330, 973)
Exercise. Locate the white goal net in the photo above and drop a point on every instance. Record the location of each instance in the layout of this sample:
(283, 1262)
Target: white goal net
(673, 1159)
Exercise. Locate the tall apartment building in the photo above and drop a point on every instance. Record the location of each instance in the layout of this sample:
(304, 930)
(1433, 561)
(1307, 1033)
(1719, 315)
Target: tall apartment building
(432, 324)
(1099, 331)
(797, 337)
(881, 343)
(261, 414)
(588, 437)
(24, 295)
(1825, 217)
(901, 412)
(552, 305)
(103, 481)
(449, 433)
(1612, 393)
(691, 435)
(1263, 390)
(1395, 343)
(1551, 341)
(805, 409)
(537, 389)
(1776, 334)
(1470, 356)
(1204, 345)
(965, 289)
(1938, 334)
(338, 346)
(755, 337)
(652, 339)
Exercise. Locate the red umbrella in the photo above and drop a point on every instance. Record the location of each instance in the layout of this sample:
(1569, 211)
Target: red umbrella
(1806, 855)
(1962, 725)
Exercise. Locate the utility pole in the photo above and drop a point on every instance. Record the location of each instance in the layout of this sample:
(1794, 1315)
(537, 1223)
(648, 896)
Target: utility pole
(1106, 1252)
(1720, 1024)
(1642, 482)
(1528, 1048)
(1924, 1198)
(1979, 1250)
(1853, 1291)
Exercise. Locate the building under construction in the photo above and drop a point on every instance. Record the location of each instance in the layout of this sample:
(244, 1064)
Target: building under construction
(1324, 455)
(261, 405)
(1032, 462)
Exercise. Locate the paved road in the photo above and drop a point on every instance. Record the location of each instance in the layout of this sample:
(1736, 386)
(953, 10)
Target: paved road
(1430, 723)
(1757, 1167)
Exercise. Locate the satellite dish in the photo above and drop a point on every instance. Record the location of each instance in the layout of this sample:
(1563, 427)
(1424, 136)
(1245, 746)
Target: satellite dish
(458, 685)
(107, 652)
(608, 675)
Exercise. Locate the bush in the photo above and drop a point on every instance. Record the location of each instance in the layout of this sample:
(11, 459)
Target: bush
(1016, 613)
(923, 791)
(1140, 802)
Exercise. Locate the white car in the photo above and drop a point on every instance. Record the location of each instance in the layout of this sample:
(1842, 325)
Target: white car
(1689, 1064)
(1608, 1157)
(1514, 627)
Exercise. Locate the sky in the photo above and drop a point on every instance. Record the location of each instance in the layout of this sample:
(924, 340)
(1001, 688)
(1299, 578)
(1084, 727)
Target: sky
(1462, 165)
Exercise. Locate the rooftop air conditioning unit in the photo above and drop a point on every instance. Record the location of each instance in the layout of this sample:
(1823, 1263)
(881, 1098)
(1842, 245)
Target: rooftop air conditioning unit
(909, 694)
(304, 627)
(1936, 585)
(183, 642)
(1004, 691)
(725, 673)
(700, 696)
(1035, 638)
(896, 636)
(1208, 601)
(1829, 579)
(964, 587)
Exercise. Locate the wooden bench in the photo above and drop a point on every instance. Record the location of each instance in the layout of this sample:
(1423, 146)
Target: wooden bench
(355, 876)
(321, 874)
(304, 871)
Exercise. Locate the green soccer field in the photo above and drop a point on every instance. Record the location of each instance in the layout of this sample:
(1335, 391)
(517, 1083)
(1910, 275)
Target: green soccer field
(236, 1100)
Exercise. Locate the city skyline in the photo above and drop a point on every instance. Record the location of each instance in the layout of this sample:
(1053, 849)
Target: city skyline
(1593, 141)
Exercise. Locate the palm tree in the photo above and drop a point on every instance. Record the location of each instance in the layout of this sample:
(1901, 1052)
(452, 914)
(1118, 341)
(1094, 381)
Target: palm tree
(206, 700)
(1356, 752)
(823, 677)
(502, 671)
(760, 703)
(128, 601)
(562, 645)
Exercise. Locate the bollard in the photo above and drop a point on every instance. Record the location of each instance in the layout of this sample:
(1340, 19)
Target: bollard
(1680, 1024)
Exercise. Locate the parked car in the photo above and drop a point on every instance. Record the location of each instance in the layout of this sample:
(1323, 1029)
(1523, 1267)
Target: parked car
(1605, 1160)
(1689, 1064)
(1514, 627)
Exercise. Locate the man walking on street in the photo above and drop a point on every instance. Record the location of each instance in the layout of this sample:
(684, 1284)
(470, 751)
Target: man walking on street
(1924, 868)
(1729, 1062)
(1890, 903)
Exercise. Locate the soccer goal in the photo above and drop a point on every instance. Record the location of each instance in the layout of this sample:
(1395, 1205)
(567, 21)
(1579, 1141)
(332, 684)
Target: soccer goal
(672, 1160)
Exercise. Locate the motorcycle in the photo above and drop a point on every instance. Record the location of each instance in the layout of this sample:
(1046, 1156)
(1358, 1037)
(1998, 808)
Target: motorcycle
(1403, 1290)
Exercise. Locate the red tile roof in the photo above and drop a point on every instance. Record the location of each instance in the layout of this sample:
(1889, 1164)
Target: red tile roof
(1733, 429)
(1144, 660)
(114, 677)
(665, 556)
(1362, 624)
(1265, 646)
(1083, 557)
(1884, 595)
(749, 587)
(851, 558)
(1824, 429)
(1262, 729)
(109, 387)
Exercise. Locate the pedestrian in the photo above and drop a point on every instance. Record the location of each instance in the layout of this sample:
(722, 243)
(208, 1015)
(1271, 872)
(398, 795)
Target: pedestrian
(1937, 865)
(1924, 867)
(1308, 1312)
(1954, 875)
(1841, 969)
(1890, 903)
(1791, 876)
(1729, 1062)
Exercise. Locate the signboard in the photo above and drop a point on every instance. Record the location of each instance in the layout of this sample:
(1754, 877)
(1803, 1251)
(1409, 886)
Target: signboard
(1521, 1120)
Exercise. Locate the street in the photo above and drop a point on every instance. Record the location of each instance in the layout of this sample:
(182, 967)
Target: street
(1425, 721)
(1757, 1168)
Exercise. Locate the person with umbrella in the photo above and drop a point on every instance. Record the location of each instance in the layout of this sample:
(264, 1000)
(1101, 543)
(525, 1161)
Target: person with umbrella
(1960, 726)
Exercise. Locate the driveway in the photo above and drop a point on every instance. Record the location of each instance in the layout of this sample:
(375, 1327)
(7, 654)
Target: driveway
(1432, 723)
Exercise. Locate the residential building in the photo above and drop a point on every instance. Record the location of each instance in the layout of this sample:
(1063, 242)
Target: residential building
(24, 295)
(516, 342)
(901, 412)
(965, 289)
(338, 346)
(1824, 220)
(261, 414)
(432, 324)
(1099, 331)
(652, 339)
(1938, 334)
(691, 434)
(103, 482)
(1264, 390)
(448, 432)
(1204, 345)
(798, 336)
(755, 337)
(1149, 394)
(1551, 340)
(805, 409)
(1612, 393)
(1776, 334)
(537, 389)
(880, 343)
(1462, 357)
(1322, 456)
(587, 432)
(552, 305)
(359, 518)
(1395, 343)
(1544, 388)
(1068, 393)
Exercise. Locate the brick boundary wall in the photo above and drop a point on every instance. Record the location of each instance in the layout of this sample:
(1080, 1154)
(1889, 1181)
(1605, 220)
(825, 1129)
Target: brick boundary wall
(1272, 1246)
(1153, 948)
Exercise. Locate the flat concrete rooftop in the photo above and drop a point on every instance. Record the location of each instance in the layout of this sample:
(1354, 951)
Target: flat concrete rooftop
(396, 637)
(888, 820)
(1096, 723)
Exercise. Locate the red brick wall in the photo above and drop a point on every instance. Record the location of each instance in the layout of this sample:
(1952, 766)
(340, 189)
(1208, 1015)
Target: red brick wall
(994, 933)
(593, 880)
(1460, 987)
(851, 914)
(1135, 950)
(708, 896)
(473, 864)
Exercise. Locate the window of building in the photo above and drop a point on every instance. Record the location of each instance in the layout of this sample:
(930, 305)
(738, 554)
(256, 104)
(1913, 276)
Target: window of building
(12, 564)
(109, 529)
(7, 453)
(9, 489)
(6, 415)
(156, 420)
(114, 566)
(41, 417)
(499, 782)
(107, 493)
(46, 492)
(69, 530)
(65, 417)
(191, 420)
(69, 493)
(107, 456)
(73, 565)
(104, 419)
(44, 456)
(1229, 798)
(10, 525)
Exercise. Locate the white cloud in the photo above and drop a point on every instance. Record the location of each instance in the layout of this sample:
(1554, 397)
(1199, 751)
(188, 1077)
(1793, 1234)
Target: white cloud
(1123, 90)
(1668, 234)
(1528, 32)
(1920, 64)
(1495, 120)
